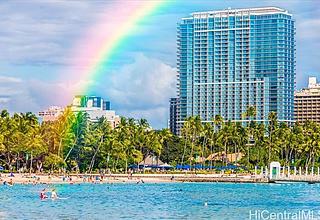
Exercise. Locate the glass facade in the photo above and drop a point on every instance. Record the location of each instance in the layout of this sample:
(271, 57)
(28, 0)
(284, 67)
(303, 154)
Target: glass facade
(173, 115)
(229, 60)
(91, 101)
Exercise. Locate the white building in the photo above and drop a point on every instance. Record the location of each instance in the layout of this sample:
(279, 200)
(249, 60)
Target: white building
(96, 108)
(51, 114)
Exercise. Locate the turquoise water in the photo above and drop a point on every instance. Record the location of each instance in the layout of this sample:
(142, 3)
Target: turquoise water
(157, 201)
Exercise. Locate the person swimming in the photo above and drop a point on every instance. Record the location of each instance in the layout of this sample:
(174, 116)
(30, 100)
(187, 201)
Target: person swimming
(43, 194)
(10, 183)
(54, 194)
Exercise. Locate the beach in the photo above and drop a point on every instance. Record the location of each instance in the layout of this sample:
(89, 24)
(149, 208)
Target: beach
(17, 178)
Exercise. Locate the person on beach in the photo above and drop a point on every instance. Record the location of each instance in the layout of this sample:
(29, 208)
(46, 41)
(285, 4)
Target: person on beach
(43, 194)
(54, 194)
(10, 183)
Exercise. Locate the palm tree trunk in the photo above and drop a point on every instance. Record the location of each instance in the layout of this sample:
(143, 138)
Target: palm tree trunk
(126, 169)
(94, 155)
(236, 153)
(59, 148)
(202, 157)
(115, 164)
(269, 157)
(248, 150)
(184, 151)
(18, 159)
(191, 153)
(313, 159)
(225, 153)
(31, 164)
(211, 155)
(73, 145)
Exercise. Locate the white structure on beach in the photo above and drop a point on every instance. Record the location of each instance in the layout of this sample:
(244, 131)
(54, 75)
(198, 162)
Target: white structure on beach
(274, 170)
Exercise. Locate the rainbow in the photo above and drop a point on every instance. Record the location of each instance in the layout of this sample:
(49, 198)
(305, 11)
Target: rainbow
(92, 52)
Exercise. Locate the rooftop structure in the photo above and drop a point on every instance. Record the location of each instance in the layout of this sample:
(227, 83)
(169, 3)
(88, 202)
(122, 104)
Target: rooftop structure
(251, 11)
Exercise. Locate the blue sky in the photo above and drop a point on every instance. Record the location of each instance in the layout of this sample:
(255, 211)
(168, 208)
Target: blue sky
(37, 37)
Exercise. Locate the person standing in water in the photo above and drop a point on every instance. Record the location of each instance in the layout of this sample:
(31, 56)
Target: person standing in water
(43, 194)
(54, 194)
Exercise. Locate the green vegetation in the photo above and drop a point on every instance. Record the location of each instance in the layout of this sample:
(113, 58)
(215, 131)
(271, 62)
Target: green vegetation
(76, 144)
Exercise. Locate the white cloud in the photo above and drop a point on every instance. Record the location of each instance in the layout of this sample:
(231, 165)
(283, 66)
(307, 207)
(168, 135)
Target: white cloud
(146, 81)
(42, 32)
(18, 95)
(156, 116)
(309, 28)
(4, 99)
(143, 89)
(15, 95)
(9, 79)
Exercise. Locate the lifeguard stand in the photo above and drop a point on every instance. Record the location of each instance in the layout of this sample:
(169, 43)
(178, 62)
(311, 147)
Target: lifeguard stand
(274, 170)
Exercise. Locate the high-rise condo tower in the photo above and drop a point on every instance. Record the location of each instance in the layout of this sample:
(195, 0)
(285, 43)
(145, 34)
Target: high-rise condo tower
(231, 59)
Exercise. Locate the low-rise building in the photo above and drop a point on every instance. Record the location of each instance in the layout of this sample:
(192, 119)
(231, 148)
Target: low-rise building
(96, 108)
(307, 102)
(51, 114)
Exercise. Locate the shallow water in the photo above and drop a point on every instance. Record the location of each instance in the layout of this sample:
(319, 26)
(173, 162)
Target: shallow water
(159, 201)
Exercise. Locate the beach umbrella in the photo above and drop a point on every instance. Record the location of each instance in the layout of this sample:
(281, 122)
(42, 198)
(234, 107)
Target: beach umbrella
(165, 166)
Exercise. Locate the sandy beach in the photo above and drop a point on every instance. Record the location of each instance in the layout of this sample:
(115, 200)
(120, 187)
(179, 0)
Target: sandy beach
(17, 178)
(79, 179)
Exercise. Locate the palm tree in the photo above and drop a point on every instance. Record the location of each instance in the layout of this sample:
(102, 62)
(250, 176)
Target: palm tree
(226, 138)
(164, 136)
(260, 143)
(206, 136)
(78, 128)
(196, 127)
(272, 127)
(218, 124)
(250, 113)
(98, 135)
(218, 121)
(185, 131)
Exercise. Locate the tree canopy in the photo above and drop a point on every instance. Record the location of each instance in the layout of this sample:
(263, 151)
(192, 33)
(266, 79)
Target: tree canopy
(74, 143)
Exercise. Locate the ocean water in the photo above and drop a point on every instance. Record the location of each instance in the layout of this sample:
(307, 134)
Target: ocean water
(162, 201)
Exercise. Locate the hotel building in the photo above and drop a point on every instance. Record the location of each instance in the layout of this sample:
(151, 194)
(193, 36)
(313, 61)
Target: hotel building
(231, 59)
(96, 108)
(307, 102)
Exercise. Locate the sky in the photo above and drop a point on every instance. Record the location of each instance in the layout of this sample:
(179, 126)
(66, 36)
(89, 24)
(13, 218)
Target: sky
(37, 39)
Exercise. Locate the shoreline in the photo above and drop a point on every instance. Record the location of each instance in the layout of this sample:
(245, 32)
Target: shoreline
(124, 178)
